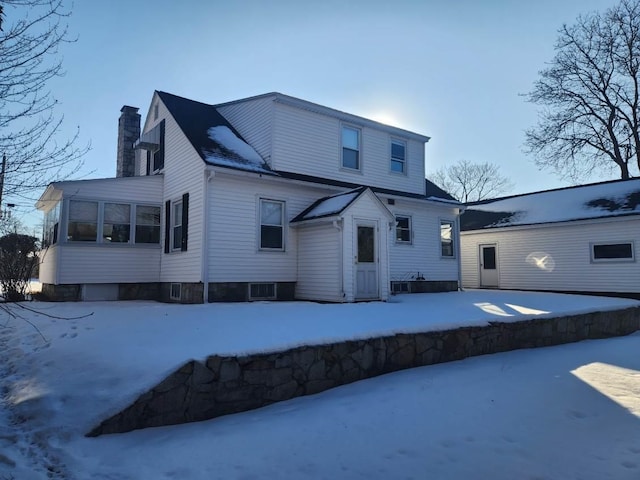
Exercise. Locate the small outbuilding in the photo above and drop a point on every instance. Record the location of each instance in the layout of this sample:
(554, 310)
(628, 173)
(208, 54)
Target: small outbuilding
(575, 239)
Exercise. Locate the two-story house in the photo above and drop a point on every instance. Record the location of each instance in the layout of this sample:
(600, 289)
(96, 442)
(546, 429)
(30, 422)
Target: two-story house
(268, 197)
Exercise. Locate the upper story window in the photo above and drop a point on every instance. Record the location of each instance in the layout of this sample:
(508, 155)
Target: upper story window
(403, 229)
(271, 225)
(446, 239)
(351, 148)
(398, 156)
(83, 221)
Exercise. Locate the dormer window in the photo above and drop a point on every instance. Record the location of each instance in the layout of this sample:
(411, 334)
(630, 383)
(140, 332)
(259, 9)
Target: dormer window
(398, 156)
(351, 148)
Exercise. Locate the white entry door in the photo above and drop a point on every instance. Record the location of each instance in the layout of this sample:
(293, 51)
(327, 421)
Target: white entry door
(488, 266)
(366, 261)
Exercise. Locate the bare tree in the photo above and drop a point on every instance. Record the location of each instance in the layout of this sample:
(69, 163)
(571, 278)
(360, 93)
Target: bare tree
(470, 182)
(32, 33)
(591, 97)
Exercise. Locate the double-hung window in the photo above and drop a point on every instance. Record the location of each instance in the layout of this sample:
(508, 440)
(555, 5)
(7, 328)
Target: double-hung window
(176, 225)
(83, 221)
(351, 148)
(116, 227)
(403, 229)
(446, 239)
(271, 225)
(398, 156)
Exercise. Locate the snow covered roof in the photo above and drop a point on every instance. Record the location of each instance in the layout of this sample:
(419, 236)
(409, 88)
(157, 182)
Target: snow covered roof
(212, 136)
(329, 206)
(596, 200)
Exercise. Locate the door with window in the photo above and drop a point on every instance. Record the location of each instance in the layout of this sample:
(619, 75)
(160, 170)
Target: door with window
(488, 265)
(367, 286)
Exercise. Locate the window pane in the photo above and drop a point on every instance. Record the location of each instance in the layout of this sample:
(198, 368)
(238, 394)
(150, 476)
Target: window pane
(82, 232)
(147, 234)
(618, 250)
(446, 240)
(397, 166)
(83, 211)
(270, 237)
(350, 138)
(271, 213)
(117, 213)
(403, 229)
(177, 214)
(146, 215)
(489, 258)
(350, 158)
(115, 232)
(397, 150)
(177, 237)
(365, 245)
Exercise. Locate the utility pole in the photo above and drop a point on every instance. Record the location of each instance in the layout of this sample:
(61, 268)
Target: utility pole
(4, 168)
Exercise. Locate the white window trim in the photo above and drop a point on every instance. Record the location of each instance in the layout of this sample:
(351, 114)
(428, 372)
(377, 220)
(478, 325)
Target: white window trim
(403, 242)
(453, 238)
(259, 225)
(592, 246)
(360, 156)
(173, 226)
(391, 159)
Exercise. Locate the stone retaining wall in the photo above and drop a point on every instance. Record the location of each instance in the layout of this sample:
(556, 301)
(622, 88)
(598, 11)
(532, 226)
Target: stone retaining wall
(224, 385)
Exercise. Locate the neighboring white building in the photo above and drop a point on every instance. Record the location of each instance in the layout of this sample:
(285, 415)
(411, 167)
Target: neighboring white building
(575, 239)
(269, 197)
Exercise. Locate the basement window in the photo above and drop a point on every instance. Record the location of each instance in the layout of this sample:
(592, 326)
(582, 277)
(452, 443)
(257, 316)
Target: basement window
(262, 291)
(400, 287)
(175, 292)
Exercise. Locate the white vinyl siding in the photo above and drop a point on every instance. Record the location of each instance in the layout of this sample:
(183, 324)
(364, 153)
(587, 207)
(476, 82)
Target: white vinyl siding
(117, 264)
(234, 240)
(422, 257)
(310, 143)
(48, 264)
(319, 272)
(184, 172)
(252, 119)
(555, 257)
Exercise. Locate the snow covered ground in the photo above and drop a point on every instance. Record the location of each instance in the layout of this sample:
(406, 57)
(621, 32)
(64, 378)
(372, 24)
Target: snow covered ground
(564, 412)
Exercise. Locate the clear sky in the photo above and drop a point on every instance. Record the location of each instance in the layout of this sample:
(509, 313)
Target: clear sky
(452, 70)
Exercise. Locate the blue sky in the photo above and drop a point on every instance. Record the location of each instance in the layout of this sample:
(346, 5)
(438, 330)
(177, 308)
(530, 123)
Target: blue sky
(450, 70)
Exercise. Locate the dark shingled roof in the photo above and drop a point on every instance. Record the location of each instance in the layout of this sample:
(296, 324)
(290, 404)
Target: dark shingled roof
(195, 119)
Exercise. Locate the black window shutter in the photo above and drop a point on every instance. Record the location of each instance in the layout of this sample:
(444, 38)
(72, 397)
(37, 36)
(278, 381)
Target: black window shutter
(185, 221)
(158, 157)
(167, 226)
(148, 162)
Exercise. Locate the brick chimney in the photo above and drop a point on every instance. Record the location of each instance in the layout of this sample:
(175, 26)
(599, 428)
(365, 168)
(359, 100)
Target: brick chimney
(128, 133)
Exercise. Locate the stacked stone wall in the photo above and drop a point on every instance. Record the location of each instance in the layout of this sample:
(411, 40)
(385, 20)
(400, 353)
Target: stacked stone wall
(226, 384)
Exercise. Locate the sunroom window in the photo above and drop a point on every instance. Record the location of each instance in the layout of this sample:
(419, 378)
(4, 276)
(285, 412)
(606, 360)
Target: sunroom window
(116, 227)
(147, 224)
(83, 221)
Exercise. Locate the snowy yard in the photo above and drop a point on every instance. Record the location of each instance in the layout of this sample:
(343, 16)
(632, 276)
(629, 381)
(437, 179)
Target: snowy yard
(571, 411)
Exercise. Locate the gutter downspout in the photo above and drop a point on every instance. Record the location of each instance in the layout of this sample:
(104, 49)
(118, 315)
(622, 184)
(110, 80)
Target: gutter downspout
(458, 256)
(208, 175)
(338, 226)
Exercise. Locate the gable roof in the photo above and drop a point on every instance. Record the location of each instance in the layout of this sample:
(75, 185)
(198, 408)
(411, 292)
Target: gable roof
(329, 206)
(212, 136)
(597, 200)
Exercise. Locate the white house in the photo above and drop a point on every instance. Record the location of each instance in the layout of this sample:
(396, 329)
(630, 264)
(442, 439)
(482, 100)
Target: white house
(268, 197)
(576, 239)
